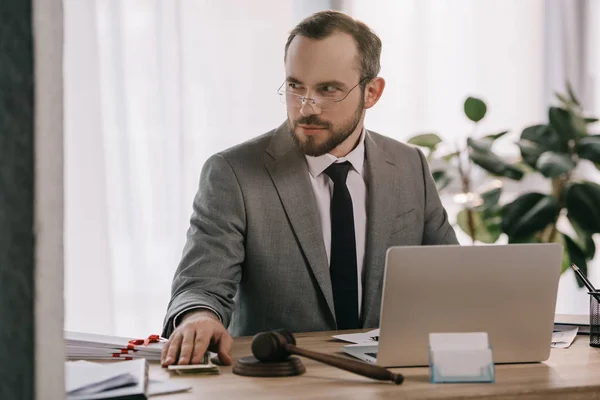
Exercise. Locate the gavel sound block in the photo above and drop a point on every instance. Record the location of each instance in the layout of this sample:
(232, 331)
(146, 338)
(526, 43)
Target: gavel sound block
(272, 352)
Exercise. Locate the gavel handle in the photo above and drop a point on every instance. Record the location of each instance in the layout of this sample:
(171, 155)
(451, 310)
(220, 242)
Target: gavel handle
(357, 367)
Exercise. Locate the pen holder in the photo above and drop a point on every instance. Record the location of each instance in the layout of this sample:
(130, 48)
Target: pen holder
(594, 319)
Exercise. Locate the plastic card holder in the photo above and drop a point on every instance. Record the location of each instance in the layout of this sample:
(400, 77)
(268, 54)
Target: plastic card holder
(460, 358)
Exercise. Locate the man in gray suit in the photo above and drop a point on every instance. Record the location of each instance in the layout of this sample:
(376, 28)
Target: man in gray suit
(290, 229)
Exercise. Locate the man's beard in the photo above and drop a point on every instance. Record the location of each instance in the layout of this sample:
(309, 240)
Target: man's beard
(336, 135)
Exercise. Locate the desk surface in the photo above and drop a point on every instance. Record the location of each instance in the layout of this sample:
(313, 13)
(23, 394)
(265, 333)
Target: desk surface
(572, 373)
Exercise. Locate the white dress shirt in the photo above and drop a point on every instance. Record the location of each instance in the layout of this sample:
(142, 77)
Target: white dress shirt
(323, 189)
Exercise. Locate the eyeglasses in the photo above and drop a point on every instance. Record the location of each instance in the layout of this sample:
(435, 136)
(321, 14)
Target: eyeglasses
(292, 97)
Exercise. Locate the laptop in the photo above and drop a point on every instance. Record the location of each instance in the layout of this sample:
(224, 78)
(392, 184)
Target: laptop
(508, 291)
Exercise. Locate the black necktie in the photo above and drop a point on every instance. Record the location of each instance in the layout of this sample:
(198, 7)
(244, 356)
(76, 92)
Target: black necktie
(342, 267)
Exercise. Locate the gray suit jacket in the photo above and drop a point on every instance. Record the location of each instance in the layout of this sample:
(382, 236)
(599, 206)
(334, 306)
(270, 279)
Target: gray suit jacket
(255, 250)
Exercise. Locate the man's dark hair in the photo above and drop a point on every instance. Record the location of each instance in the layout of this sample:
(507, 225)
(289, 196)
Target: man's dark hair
(325, 23)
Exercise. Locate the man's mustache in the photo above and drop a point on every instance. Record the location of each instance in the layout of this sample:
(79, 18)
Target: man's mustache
(313, 121)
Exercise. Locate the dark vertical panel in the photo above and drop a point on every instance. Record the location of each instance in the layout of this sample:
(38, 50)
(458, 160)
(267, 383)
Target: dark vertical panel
(16, 201)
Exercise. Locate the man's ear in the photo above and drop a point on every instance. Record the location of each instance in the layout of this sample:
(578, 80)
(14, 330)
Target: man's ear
(373, 91)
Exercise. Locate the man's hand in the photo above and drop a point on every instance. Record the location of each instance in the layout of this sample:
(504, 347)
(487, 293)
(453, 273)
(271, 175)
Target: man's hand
(198, 332)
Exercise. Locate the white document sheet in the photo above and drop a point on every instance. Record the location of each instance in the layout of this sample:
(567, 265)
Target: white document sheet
(564, 339)
(156, 388)
(370, 337)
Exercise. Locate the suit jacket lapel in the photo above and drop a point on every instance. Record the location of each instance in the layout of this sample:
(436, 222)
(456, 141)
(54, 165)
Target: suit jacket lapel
(385, 201)
(288, 169)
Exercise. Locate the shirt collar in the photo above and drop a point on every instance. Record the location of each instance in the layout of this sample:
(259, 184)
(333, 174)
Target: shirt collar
(316, 165)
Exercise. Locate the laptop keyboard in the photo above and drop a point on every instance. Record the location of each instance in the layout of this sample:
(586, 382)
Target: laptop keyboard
(374, 355)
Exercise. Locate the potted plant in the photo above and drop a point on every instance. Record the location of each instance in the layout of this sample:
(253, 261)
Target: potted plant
(556, 150)
(480, 217)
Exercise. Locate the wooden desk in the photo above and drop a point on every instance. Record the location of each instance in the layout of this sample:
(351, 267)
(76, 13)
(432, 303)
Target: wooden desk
(572, 373)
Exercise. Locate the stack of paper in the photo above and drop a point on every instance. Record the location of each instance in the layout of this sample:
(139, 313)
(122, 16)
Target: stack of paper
(87, 380)
(89, 346)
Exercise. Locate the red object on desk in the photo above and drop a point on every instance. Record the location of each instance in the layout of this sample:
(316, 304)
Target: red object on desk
(145, 342)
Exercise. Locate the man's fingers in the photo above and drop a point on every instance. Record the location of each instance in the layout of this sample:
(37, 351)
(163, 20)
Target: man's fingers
(187, 347)
(163, 354)
(200, 347)
(225, 344)
(174, 344)
(190, 342)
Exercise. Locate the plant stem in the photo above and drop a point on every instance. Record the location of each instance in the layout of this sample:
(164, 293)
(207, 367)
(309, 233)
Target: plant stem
(471, 222)
(470, 212)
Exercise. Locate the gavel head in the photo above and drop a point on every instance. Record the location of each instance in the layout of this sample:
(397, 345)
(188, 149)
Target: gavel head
(271, 346)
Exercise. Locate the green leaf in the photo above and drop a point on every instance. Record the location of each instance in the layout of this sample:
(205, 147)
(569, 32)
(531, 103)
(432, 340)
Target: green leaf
(566, 263)
(590, 120)
(579, 125)
(560, 120)
(491, 212)
(584, 240)
(441, 179)
(590, 248)
(483, 145)
(577, 256)
(552, 164)
(496, 165)
(513, 172)
(475, 109)
(582, 201)
(485, 231)
(572, 94)
(491, 197)
(428, 140)
(533, 132)
(523, 166)
(524, 239)
(530, 151)
(562, 99)
(495, 136)
(589, 148)
(529, 214)
(488, 161)
(450, 156)
(544, 136)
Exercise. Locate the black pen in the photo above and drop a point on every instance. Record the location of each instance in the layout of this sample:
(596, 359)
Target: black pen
(586, 282)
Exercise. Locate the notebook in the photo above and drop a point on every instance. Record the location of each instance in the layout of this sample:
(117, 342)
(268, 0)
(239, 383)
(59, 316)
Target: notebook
(123, 380)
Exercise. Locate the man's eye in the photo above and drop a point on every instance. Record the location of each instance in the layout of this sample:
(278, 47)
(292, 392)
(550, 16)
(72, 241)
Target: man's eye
(293, 86)
(329, 89)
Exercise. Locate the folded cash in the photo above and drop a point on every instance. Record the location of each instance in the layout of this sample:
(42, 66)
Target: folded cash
(206, 367)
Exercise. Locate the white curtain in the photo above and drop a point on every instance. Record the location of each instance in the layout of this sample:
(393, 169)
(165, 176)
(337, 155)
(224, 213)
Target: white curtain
(438, 52)
(153, 88)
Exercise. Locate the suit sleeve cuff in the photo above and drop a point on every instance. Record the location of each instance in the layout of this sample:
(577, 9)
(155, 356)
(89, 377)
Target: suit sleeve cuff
(177, 318)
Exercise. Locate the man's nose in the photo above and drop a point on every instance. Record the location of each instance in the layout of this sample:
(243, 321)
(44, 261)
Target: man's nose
(309, 108)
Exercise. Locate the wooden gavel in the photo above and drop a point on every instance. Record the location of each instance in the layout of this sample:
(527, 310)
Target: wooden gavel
(279, 345)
